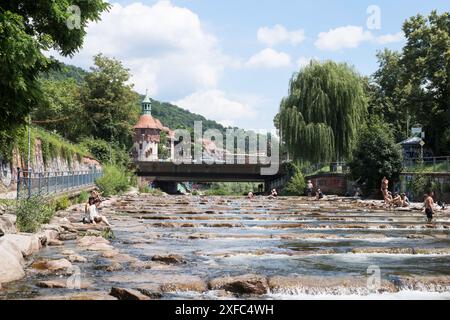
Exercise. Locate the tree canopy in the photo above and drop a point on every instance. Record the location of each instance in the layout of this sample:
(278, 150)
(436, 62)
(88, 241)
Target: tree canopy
(376, 155)
(27, 28)
(110, 106)
(320, 117)
(413, 86)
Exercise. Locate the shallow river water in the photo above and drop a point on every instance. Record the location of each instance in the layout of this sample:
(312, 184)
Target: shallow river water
(305, 249)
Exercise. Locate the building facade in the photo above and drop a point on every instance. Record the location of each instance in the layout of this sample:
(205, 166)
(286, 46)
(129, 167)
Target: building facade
(147, 136)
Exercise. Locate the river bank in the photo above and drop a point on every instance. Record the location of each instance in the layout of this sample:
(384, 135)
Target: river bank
(196, 247)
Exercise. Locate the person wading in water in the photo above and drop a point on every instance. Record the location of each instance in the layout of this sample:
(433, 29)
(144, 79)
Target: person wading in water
(429, 206)
(384, 189)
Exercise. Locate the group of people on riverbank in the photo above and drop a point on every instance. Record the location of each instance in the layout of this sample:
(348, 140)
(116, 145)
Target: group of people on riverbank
(401, 200)
(319, 195)
(393, 199)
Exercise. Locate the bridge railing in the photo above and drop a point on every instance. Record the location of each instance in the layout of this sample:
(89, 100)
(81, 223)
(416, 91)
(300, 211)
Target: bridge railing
(44, 183)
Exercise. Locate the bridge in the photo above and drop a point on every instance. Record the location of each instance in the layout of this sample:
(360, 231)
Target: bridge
(202, 172)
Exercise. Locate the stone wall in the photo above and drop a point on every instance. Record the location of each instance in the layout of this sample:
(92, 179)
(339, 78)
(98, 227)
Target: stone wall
(332, 183)
(8, 169)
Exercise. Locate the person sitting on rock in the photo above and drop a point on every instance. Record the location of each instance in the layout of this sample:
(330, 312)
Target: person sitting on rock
(397, 200)
(250, 195)
(92, 211)
(274, 193)
(405, 201)
(319, 194)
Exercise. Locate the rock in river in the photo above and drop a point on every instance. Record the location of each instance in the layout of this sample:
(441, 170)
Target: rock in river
(168, 259)
(245, 284)
(127, 294)
(52, 265)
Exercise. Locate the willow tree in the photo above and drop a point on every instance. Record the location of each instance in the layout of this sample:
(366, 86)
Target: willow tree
(319, 118)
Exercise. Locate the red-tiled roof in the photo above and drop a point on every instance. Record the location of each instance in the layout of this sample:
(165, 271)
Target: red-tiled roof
(146, 121)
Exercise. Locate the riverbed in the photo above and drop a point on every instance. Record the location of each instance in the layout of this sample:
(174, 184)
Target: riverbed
(194, 247)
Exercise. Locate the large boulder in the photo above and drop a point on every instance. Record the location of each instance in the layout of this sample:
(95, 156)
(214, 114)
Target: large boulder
(11, 262)
(27, 243)
(52, 266)
(245, 284)
(7, 224)
(90, 240)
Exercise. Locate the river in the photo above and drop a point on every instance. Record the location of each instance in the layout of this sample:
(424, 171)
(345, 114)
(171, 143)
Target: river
(304, 250)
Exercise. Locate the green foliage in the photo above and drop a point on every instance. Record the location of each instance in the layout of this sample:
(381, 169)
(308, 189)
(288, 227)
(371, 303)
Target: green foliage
(61, 111)
(61, 203)
(115, 180)
(163, 150)
(32, 213)
(376, 155)
(230, 188)
(62, 72)
(26, 29)
(151, 191)
(412, 86)
(446, 188)
(420, 184)
(108, 234)
(111, 108)
(83, 197)
(106, 152)
(175, 117)
(296, 185)
(320, 117)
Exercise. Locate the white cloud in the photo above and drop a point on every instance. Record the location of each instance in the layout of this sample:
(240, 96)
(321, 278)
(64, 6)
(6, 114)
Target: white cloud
(269, 58)
(214, 104)
(390, 38)
(166, 47)
(279, 34)
(304, 61)
(342, 38)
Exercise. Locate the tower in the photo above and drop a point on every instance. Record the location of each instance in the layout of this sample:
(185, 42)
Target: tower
(146, 105)
(147, 134)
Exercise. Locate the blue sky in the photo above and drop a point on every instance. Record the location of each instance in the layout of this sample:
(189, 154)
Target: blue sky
(232, 60)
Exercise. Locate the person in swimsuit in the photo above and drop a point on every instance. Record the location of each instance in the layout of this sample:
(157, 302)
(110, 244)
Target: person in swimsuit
(429, 206)
(384, 190)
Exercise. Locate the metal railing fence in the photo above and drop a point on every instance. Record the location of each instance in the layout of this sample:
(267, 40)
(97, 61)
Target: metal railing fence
(44, 183)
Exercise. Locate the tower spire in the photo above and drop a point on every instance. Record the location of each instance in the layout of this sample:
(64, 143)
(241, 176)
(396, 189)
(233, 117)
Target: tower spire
(146, 104)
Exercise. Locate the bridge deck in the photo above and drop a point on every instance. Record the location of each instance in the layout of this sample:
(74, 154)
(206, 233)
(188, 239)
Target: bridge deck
(168, 171)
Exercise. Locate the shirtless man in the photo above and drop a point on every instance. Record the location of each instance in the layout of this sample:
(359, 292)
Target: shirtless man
(429, 206)
(384, 189)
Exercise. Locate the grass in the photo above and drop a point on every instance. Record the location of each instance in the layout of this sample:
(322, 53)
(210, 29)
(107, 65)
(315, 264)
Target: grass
(151, 191)
(440, 167)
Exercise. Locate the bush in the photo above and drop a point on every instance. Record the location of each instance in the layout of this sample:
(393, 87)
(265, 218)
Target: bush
(376, 155)
(61, 203)
(32, 213)
(83, 197)
(296, 185)
(115, 180)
